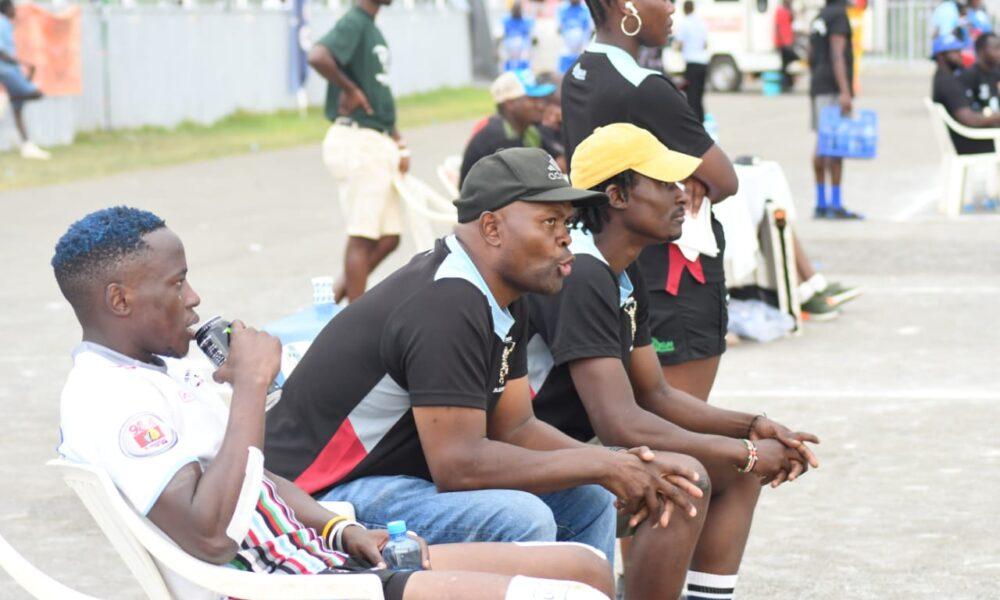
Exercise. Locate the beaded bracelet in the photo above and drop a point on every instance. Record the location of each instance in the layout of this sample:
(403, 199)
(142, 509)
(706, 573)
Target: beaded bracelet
(751, 457)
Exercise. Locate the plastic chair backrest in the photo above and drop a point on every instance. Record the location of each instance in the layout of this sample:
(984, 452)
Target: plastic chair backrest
(32, 579)
(939, 119)
(138, 541)
(104, 503)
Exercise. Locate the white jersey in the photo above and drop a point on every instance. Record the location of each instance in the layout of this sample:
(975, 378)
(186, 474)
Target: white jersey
(137, 421)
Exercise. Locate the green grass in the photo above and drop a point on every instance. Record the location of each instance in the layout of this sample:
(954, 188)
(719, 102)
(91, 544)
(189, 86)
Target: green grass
(99, 153)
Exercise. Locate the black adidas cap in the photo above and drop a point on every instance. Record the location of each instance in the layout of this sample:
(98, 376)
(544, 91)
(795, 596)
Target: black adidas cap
(527, 174)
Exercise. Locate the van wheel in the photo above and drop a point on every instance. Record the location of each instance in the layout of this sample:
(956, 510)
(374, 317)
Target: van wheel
(724, 75)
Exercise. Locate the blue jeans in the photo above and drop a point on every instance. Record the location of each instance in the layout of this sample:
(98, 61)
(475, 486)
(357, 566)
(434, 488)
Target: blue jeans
(582, 514)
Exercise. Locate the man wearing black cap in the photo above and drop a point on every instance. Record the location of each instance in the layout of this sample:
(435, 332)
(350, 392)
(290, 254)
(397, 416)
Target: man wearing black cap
(413, 402)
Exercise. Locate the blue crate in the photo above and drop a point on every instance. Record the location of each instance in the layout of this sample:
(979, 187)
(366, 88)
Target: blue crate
(848, 137)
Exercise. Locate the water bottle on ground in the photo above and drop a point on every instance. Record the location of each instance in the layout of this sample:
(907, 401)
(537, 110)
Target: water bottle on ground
(401, 553)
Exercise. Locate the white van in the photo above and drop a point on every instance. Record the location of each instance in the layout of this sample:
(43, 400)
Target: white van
(740, 41)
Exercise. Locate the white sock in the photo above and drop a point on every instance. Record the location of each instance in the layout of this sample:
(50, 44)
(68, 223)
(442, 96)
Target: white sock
(812, 286)
(706, 586)
(534, 588)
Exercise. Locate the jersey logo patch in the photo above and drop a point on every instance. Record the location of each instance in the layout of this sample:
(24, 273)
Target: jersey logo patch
(509, 344)
(144, 435)
(579, 72)
(630, 308)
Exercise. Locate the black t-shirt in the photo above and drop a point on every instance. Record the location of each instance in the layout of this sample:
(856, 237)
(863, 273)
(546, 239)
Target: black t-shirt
(830, 21)
(949, 92)
(605, 86)
(981, 88)
(597, 314)
(498, 135)
(431, 334)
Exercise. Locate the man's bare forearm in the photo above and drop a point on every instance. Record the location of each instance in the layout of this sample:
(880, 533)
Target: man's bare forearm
(684, 410)
(309, 512)
(640, 427)
(535, 434)
(219, 488)
(323, 62)
(489, 464)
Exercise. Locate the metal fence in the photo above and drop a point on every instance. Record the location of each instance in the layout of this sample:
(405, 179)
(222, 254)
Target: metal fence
(908, 29)
(163, 65)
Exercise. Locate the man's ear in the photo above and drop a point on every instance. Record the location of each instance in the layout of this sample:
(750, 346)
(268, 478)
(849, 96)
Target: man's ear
(117, 299)
(617, 198)
(490, 225)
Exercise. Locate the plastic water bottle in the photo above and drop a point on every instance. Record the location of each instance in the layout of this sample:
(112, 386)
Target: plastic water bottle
(711, 128)
(401, 553)
(870, 136)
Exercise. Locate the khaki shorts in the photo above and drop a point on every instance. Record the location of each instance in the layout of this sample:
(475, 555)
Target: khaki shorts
(365, 162)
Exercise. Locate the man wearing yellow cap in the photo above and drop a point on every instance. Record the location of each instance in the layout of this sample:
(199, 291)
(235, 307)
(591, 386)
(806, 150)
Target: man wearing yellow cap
(595, 373)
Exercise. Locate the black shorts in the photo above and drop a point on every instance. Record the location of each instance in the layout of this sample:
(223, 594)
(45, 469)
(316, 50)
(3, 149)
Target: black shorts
(691, 325)
(393, 582)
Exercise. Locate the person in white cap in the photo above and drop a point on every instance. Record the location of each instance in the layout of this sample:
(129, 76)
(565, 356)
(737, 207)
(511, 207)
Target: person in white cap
(520, 103)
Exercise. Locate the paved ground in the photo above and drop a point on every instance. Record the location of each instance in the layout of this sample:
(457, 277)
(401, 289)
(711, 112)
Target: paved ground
(903, 388)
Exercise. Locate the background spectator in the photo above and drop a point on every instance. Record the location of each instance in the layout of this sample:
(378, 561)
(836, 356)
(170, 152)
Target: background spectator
(19, 87)
(692, 39)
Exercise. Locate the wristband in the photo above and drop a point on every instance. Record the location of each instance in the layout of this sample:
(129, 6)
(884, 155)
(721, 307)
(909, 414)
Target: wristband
(751, 457)
(338, 533)
(330, 525)
(404, 152)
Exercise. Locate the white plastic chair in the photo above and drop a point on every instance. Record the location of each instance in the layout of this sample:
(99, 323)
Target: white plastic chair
(448, 173)
(32, 579)
(424, 206)
(955, 167)
(139, 542)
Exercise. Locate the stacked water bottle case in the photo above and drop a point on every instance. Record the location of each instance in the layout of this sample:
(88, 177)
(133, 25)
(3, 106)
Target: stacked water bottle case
(848, 137)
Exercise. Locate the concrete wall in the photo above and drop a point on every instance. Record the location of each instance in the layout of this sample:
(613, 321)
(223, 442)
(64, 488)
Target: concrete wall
(165, 65)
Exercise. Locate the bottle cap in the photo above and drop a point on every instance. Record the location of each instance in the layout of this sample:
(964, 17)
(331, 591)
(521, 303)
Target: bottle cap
(396, 527)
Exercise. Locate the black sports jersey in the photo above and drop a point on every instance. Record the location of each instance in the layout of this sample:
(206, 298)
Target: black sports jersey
(597, 314)
(948, 92)
(832, 19)
(605, 86)
(431, 334)
(981, 87)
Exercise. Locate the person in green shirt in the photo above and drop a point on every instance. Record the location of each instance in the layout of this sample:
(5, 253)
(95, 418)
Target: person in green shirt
(362, 148)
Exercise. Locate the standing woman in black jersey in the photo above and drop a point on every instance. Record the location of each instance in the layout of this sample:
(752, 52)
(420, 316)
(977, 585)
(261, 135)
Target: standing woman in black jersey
(688, 297)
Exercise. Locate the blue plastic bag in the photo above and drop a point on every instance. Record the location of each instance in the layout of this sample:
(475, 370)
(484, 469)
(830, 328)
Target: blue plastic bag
(848, 137)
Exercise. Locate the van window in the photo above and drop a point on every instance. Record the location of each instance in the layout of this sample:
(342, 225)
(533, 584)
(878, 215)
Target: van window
(762, 6)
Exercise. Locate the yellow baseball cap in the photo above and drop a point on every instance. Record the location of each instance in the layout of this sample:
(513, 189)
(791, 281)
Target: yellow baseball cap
(618, 147)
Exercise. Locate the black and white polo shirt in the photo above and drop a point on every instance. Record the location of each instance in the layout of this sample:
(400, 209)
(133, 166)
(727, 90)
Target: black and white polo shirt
(431, 334)
(597, 314)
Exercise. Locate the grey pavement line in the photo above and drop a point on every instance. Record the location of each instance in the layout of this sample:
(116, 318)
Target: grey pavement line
(869, 394)
(948, 290)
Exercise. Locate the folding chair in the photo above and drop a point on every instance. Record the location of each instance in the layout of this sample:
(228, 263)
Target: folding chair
(149, 553)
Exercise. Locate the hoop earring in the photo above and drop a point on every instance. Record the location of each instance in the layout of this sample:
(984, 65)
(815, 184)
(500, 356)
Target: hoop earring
(638, 20)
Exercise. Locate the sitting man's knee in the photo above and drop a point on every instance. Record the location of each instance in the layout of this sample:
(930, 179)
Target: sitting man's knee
(704, 482)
